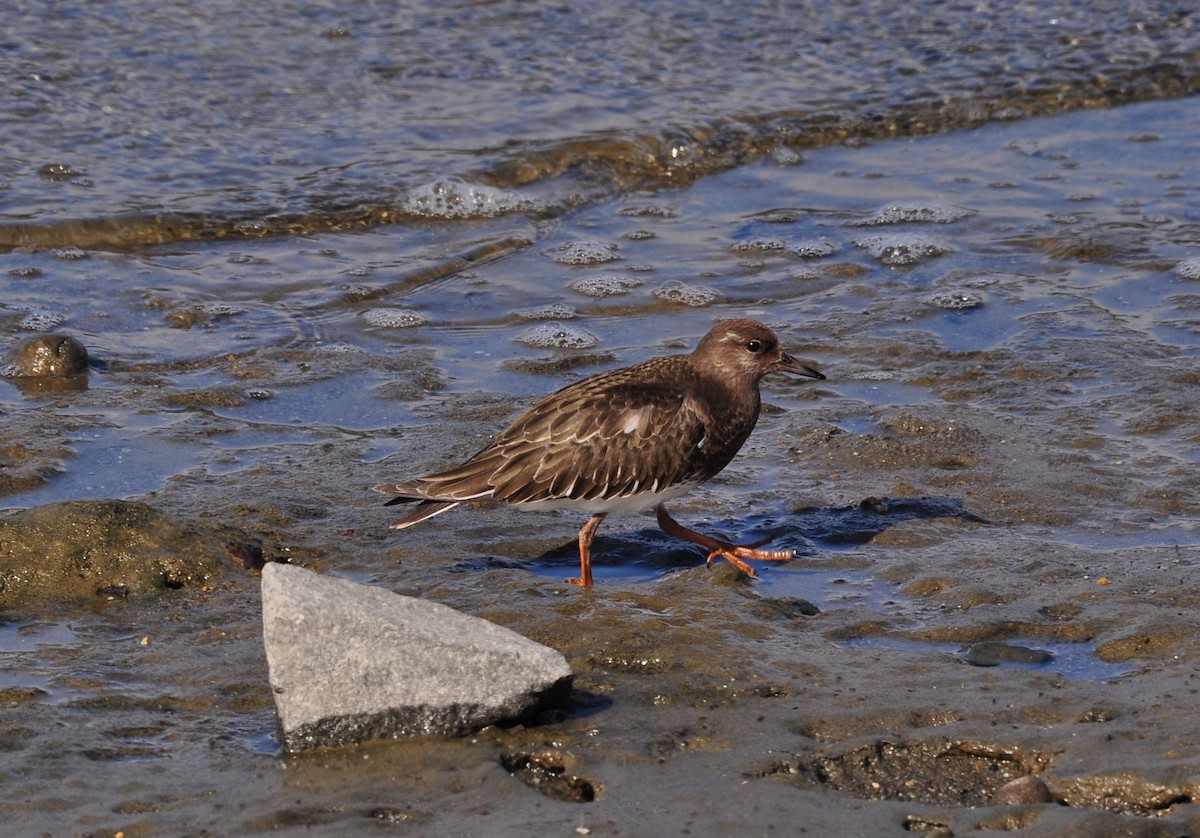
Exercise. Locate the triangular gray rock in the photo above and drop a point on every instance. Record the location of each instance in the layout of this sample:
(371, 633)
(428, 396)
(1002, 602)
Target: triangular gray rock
(350, 662)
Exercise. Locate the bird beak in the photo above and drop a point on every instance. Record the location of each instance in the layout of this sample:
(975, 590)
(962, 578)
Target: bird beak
(787, 363)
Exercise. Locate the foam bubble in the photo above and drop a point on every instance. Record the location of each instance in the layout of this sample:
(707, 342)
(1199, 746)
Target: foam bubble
(455, 198)
(41, 321)
(222, 309)
(71, 253)
(814, 248)
(245, 259)
(902, 248)
(956, 299)
(1029, 148)
(914, 213)
(758, 245)
(606, 285)
(784, 156)
(585, 252)
(555, 335)
(551, 311)
(253, 227)
(395, 318)
(651, 210)
(674, 291)
(1188, 268)
(351, 290)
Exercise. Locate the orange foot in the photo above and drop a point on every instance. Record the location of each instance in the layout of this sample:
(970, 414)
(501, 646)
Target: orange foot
(735, 554)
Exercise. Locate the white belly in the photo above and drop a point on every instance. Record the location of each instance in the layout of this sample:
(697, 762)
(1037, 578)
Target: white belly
(626, 505)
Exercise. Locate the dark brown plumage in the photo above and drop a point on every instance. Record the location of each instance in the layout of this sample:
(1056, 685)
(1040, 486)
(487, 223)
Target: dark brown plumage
(624, 441)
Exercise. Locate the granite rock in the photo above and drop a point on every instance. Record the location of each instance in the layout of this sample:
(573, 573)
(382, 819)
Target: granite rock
(351, 662)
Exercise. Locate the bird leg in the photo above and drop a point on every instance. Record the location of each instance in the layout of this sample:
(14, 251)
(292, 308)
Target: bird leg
(585, 551)
(732, 553)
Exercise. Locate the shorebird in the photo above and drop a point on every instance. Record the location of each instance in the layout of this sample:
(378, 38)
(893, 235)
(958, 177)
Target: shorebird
(624, 441)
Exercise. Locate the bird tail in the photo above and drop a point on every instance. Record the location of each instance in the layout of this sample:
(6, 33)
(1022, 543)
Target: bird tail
(423, 510)
(435, 493)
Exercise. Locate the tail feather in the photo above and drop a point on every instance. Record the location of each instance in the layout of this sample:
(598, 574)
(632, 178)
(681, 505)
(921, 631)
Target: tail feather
(423, 510)
(430, 499)
(406, 491)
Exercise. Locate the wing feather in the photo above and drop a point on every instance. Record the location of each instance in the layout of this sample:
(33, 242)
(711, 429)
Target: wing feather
(607, 442)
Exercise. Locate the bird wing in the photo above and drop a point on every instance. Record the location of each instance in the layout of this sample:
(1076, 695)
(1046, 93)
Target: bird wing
(601, 437)
(610, 443)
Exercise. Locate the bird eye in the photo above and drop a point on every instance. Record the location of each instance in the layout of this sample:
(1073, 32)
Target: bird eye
(754, 346)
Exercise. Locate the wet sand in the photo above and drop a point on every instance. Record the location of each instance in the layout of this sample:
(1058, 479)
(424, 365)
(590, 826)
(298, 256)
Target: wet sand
(702, 702)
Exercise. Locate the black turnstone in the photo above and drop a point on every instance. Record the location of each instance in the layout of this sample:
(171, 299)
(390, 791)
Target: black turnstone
(624, 441)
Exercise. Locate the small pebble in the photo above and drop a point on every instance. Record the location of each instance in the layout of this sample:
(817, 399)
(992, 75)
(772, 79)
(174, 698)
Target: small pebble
(1022, 790)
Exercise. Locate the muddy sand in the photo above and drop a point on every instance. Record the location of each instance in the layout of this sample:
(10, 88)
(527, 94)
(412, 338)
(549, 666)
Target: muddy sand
(833, 695)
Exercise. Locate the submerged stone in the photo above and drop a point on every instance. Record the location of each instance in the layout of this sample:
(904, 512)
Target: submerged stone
(350, 662)
(51, 356)
(988, 653)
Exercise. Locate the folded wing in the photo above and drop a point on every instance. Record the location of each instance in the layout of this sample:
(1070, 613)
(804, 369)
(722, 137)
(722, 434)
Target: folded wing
(603, 437)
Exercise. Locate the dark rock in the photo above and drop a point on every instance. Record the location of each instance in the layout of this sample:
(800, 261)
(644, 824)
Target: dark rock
(790, 608)
(550, 773)
(51, 356)
(994, 654)
(351, 662)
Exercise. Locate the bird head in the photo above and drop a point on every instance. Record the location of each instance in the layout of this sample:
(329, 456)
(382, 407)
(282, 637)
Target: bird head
(746, 349)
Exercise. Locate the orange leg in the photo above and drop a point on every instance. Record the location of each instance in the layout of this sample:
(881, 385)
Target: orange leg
(732, 553)
(585, 551)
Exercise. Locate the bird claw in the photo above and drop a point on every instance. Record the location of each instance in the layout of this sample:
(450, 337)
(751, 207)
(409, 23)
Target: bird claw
(733, 560)
(734, 554)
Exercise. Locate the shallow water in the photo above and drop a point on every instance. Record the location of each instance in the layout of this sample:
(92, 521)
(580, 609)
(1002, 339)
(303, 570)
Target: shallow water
(1073, 661)
(1045, 251)
(313, 251)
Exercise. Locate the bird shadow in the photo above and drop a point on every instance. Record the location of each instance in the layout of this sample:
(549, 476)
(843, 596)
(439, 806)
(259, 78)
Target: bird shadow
(857, 524)
(649, 553)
